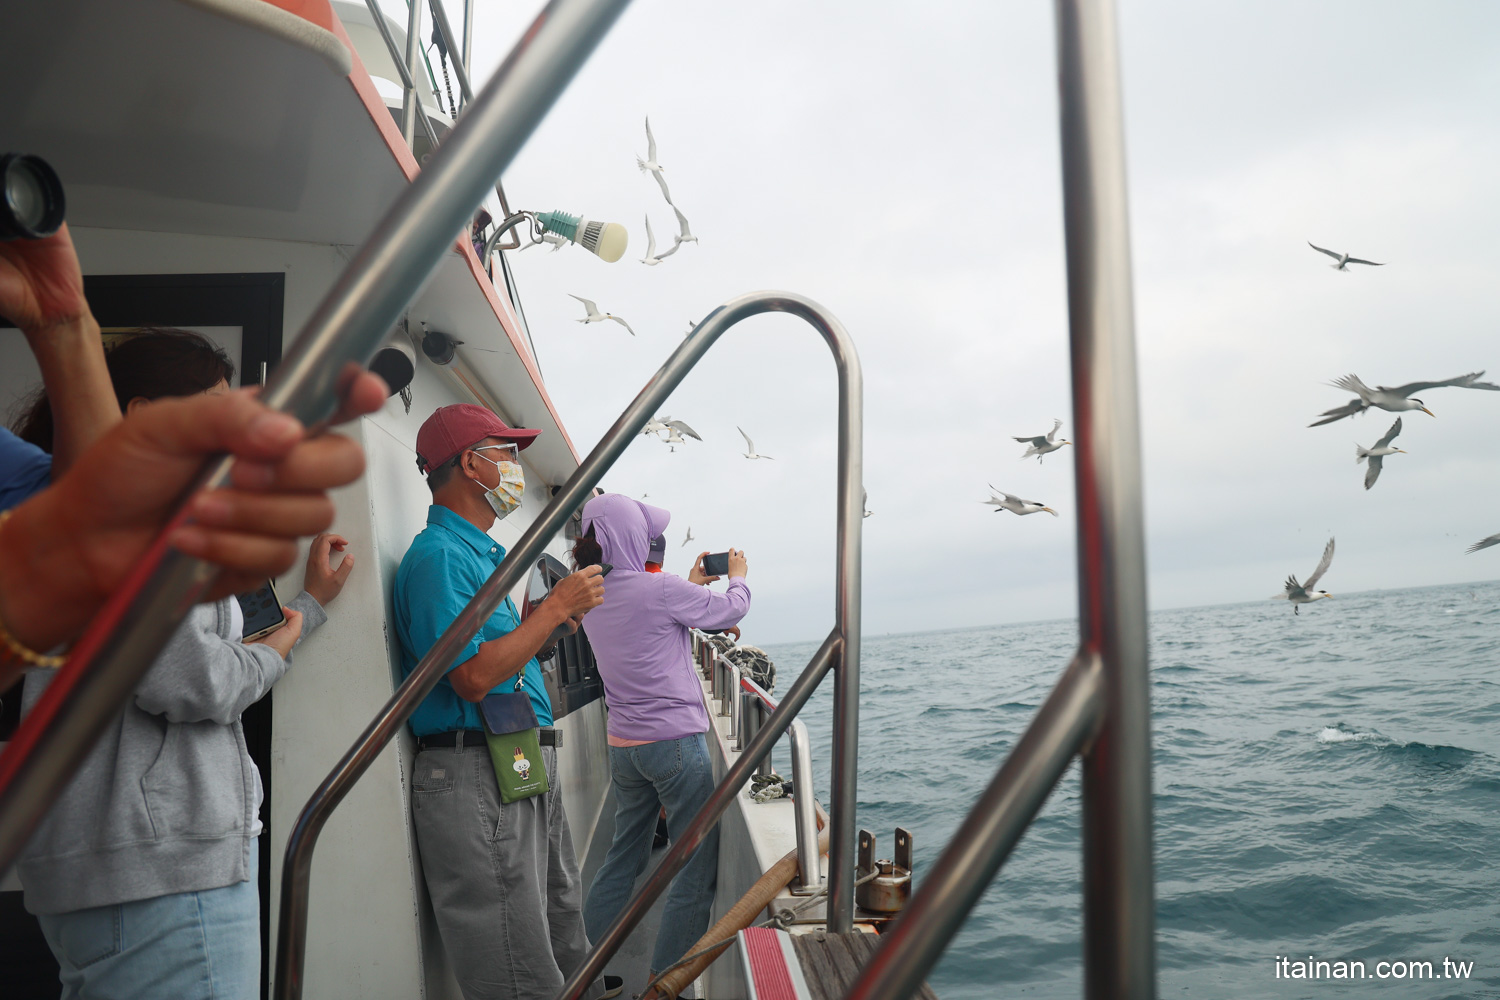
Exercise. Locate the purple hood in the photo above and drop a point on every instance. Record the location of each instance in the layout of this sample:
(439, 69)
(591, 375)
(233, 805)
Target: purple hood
(624, 528)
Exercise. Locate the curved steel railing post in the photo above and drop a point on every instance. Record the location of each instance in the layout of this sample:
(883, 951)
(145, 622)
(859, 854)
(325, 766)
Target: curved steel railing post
(297, 867)
(346, 329)
(1103, 699)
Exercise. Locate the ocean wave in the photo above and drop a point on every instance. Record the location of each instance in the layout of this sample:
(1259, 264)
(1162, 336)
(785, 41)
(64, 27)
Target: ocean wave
(1340, 734)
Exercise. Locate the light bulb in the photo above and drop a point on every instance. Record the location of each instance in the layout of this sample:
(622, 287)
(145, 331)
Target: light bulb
(605, 240)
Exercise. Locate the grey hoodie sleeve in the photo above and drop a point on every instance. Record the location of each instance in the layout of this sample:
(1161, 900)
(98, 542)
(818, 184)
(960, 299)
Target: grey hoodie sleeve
(205, 675)
(313, 614)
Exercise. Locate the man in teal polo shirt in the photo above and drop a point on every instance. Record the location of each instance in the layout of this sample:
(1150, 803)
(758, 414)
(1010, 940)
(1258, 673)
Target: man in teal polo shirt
(503, 878)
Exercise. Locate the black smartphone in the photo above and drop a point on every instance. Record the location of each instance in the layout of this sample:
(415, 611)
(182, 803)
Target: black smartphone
(716, 564)
(562, 630)
(262, 610)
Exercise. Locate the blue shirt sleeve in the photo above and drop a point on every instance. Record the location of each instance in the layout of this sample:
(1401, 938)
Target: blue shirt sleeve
(437, 588)
(25, 469)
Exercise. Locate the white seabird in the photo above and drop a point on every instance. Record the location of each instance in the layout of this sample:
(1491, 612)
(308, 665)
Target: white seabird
(555, 241)
(684, 234)
(1394, 399)
(864, 504)
(649, 164)
(1377, 452)
(653, 426)
(1343, 259)
(1015, 504)
(1043, 444)
(595, 316)
(751, 453)
(1302, 593)
(689, 537)
(1484, 543)
(653, 258)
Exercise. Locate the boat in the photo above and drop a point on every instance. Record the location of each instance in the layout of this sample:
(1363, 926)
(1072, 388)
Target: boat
(283, 176)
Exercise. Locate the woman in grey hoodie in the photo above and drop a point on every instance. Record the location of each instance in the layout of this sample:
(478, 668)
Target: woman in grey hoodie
(143, 874)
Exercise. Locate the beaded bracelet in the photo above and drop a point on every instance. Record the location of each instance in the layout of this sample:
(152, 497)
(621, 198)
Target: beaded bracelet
(12, 649)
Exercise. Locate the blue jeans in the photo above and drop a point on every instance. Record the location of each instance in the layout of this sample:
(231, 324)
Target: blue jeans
(676, 774)
(186, 946)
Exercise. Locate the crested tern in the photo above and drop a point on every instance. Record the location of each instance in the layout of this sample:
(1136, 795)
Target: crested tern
(1343, 259)
(649, 164)
(1303, 593)
(1376, 453)
(653, 258)
(750, 445)
(1043, 444)
(1394, 399)
(684, 234)
(1015, 504)
(595, 316)
(689, 537)
(1484, 543)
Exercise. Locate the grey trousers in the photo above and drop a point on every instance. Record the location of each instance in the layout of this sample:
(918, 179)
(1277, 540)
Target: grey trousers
(503, 879)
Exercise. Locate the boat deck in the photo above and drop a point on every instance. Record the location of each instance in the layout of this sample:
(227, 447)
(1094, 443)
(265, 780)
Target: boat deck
(831, 962)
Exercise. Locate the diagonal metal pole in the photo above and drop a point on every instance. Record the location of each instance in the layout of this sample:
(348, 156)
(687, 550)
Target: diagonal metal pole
(343, 333)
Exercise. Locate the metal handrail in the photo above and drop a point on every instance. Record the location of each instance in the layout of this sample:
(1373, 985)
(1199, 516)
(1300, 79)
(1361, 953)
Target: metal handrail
(342, 334)
(804, 807)
(1100, 707)
(409, 86)
(297, 867)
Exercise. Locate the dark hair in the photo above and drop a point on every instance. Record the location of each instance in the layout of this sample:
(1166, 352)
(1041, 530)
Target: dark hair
(439, 477)
(153, 363)
(587, 550)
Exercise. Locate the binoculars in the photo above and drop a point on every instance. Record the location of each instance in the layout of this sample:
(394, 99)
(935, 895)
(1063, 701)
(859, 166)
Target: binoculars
(31, 198)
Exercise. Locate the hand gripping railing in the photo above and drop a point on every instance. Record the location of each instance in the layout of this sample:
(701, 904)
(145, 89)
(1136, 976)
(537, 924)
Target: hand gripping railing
(1101, 705)
(345, 330)
(841, 648)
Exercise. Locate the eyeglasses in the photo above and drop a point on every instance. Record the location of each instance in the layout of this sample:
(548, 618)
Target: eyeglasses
(508, 452)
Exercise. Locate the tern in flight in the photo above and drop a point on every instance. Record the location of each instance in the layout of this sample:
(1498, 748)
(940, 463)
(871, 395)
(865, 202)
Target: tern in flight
(653, 426)
(649, 164)
(684, 234)
(865, 504)
(1303, 593)
(1343, 259)
(1376, 453)
(1043, 444)
(653, 258)
(552, 239)
(595, 316)
(675, 430)
(1394, 399)
(1015, 504)
(1484, 543)
(689, 537)
(751, 446)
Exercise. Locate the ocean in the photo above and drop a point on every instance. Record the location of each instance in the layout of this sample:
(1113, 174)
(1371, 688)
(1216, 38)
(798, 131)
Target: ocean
(1327, 788)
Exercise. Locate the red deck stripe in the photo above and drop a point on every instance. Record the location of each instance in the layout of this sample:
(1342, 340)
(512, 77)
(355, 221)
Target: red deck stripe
(769, 975)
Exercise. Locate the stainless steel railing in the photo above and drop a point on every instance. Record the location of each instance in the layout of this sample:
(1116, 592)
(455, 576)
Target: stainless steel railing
(1100, 708)
(346, 329)
(840, 649)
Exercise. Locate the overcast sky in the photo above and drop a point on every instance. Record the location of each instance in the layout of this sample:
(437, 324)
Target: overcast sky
(899, 164)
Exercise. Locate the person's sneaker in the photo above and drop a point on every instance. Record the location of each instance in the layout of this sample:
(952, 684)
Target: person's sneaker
(613, 987)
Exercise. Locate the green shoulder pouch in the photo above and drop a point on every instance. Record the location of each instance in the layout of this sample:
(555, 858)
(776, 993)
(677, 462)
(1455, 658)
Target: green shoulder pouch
(510, 729)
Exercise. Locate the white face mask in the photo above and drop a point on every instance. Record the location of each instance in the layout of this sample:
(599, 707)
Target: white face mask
(505, 496)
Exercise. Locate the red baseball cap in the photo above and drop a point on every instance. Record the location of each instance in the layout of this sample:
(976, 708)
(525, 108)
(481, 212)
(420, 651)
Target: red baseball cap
(451, 429)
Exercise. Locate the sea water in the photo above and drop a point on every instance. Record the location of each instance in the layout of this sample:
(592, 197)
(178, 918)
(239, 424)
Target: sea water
(1327, 788)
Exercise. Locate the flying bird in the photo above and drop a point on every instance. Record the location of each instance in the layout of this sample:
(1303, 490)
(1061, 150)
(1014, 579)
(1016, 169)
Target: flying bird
(673, 438)
(689, 537)
(1043, 444)
(864, 504)
(678, 425)
(653, 426)
(595, 316)
(1303, 593)
(1394, 399)
(1375, 454)
(751, 446)
(1015, 504)
(691, 327)
(649, 164)
(1483, 543)
(1343, 259)
(653, 258)
(684, 234)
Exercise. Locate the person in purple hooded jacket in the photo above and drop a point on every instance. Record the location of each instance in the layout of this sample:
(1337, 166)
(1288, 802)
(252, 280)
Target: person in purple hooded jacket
(658, 752)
